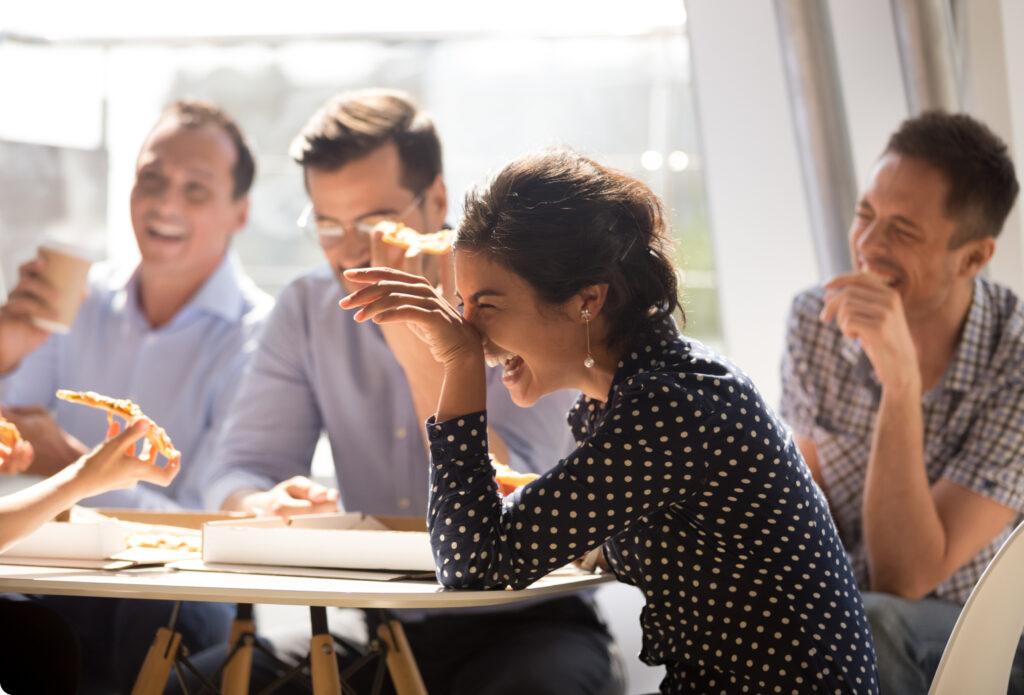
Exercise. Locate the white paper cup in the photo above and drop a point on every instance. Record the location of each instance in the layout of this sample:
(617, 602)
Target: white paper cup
(67, 269)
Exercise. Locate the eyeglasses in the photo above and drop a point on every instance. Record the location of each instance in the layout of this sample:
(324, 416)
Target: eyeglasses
(329, 234)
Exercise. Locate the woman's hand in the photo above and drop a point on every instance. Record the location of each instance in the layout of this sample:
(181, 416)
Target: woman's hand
(114, 465)
(392, 295)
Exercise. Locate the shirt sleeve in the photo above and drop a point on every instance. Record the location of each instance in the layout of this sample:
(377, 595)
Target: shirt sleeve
(273, 423)
(991, 459)
(603, 487)
(140, 496)
(34, 380)
(797, 407)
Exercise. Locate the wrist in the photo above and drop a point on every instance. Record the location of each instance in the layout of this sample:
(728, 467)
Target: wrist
(904, 386)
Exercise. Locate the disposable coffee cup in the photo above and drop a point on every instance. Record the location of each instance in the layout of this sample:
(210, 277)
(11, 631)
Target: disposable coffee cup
(66, 267)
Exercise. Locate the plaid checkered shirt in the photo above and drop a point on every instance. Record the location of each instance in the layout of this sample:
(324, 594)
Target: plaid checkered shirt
(973, 418)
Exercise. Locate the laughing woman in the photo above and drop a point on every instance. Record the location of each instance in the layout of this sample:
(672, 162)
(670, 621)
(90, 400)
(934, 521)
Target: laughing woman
(691, 484)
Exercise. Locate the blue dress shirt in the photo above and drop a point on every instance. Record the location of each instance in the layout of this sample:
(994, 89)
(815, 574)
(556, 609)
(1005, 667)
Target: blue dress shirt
(183, 374)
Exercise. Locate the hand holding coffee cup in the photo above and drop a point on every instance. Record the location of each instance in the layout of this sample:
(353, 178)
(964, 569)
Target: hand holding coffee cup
(66, 269)
(49, 292)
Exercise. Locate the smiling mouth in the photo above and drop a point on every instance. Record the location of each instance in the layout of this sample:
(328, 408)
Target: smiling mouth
(510, 362)
(168, 232)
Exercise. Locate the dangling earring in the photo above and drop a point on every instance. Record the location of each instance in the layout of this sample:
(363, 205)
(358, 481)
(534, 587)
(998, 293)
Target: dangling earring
(589, 362)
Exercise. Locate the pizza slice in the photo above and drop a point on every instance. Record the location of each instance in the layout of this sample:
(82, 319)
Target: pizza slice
(126, 409)
(9, 434)
(509, 480)
(437, 243)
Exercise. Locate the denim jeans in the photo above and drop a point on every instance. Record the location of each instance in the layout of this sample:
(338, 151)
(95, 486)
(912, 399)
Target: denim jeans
(910, 637)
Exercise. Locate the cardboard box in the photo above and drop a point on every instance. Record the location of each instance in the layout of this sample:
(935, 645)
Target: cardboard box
(350, 540)
(96, 535)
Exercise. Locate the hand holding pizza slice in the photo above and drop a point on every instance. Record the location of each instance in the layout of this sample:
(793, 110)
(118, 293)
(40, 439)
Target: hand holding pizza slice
(123, 407)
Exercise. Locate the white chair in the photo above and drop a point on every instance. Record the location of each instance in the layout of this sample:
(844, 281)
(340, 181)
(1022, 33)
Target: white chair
(980, 651)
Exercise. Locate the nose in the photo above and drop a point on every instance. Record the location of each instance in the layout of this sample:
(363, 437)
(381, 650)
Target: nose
(868, 236)
(167, 201)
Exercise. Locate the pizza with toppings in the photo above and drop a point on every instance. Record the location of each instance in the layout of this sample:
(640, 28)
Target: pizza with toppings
(437, 243)
(126, 409)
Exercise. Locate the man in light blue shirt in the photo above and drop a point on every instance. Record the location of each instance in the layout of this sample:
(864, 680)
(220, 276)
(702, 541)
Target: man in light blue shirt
(173, 336)
(370, 156)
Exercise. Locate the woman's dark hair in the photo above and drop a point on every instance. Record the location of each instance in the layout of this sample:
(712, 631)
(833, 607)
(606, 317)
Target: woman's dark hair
(975, 162)
(562, 222)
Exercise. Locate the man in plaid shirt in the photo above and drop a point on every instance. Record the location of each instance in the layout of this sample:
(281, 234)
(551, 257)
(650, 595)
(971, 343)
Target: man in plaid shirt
(903, 382)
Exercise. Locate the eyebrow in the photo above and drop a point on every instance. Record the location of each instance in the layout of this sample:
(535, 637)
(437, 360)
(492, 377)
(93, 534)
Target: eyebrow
(475, 297)
(371, 213)
(906, 221)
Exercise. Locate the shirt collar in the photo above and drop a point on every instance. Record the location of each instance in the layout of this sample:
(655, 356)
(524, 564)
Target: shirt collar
(641, 356)
(221, 295)
(975, 341)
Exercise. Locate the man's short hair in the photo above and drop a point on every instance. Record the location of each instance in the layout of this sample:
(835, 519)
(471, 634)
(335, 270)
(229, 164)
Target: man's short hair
(353, 124)
(975, 162)
(193, 113)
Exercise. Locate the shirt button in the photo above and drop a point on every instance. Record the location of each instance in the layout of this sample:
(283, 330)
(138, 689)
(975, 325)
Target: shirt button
(403, 503)
(400, 433)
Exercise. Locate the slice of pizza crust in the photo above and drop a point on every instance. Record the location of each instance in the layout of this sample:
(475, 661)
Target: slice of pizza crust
(9, 434)
(437, 243)
(126, 409)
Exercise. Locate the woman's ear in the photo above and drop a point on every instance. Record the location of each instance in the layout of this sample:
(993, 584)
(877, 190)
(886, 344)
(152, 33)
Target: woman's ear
(591, 298)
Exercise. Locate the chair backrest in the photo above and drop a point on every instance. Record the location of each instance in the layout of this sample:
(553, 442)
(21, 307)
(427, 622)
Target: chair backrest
(980, 651)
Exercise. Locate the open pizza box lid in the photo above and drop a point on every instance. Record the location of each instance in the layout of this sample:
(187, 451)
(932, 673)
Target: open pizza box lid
(348, 540)
(99, 538)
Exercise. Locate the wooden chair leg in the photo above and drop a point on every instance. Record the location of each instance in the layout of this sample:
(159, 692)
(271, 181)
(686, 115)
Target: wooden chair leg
(323, 664)
(405, 674)
(159, 661)
(235, 680)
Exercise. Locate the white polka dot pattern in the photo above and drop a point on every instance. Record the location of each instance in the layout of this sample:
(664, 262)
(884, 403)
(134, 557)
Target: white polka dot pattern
(701, 501)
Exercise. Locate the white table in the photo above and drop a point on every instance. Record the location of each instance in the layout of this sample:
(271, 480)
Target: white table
(181, 585)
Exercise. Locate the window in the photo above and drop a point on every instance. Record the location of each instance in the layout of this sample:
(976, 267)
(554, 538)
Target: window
(496, 88)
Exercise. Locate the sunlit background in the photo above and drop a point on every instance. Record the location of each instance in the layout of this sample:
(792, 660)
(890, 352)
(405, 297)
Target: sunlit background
(499, 80)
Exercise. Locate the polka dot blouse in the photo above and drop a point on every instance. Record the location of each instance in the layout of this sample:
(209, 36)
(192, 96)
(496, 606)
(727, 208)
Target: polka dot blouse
(701, 501)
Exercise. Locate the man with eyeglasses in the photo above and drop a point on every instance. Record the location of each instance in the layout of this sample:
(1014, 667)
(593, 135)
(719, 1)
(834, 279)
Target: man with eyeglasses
(369, 156)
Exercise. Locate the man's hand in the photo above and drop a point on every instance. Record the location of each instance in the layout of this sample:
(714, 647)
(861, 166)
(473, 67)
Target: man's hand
(866, 309)
(54, 448)
(33, 296)
(295, 496)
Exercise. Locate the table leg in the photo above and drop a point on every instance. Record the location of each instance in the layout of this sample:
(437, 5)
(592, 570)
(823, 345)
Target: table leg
(159, 660)
(405, 674)
(323, 665)
(235, 680)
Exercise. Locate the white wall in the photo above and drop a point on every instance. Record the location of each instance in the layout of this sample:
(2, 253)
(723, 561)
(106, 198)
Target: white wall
(761, 232)
(757, 206)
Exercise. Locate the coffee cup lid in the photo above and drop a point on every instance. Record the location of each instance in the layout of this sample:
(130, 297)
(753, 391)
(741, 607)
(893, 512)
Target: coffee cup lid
(86, 253)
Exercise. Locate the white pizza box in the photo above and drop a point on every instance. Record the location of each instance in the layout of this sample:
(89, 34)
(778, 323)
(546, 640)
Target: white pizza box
(88, 534)
(347, 540)
(89, 540)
